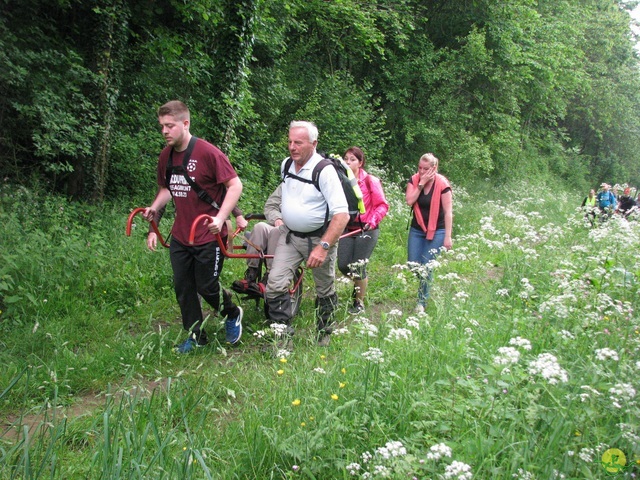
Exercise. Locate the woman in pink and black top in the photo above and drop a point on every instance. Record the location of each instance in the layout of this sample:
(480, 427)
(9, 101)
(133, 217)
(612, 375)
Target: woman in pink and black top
(430, 196)
(354, 251)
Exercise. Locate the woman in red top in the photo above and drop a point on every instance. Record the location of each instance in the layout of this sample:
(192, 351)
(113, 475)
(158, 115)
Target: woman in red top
(429, 194)
(354, 251)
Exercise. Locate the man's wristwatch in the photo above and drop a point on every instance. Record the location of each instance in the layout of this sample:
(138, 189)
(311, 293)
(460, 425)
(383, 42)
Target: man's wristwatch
(325, 245)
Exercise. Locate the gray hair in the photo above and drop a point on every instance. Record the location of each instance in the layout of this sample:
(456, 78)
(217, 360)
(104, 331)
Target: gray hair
(311, 128)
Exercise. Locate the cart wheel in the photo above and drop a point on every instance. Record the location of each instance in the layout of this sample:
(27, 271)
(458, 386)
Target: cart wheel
(296, 295)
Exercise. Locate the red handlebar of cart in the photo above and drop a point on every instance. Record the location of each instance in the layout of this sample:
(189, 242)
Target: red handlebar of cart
(154, 226)
(223, 247)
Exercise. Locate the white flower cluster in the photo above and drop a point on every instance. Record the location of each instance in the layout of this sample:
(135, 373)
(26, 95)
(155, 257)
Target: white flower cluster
(353, 468)
(628, 433)
(279, 329)
(458, 470)
(506, 356)
(566, 334)
(527, 288)
(381, 471)
(523, 475)
(282, 353)
(606, 353)
(413, 322)
(502, 292)
(586, 454)
(450, 276)
(398, 334)
(395, 313)
(462, 296)
(340, 331)
(374, 355)
(621, 393)
(588, 391)
(520, 342)
(547, 366)
(439, 450)
(392, 449)
(366, 327)
(319, 370)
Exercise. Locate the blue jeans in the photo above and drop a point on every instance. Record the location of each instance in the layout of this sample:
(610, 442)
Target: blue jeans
(422, 251)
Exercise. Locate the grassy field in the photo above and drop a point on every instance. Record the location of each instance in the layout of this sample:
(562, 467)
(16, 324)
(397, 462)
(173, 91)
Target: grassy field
(525, 365)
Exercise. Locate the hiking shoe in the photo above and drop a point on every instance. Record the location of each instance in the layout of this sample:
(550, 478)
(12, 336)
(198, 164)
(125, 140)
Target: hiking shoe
(356, 308)
(188, 346)
(233, 327)
(419, 309)
(256, 289)
(240, 286)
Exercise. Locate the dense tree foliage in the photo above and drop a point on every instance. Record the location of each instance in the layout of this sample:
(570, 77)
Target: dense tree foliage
(499, 89)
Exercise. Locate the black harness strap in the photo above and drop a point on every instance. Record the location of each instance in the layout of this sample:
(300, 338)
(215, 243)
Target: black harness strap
(182, 169)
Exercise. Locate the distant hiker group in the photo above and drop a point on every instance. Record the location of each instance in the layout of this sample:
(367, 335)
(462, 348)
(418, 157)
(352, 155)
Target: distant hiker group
(607, 201)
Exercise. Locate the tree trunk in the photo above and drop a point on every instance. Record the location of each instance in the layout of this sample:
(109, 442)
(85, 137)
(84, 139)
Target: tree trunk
(113, 18)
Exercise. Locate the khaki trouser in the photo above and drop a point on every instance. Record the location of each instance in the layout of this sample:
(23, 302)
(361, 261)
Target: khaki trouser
(288, 257)
(266, 237)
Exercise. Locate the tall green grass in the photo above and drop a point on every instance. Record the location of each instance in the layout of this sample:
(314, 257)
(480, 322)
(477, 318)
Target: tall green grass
(525, 365)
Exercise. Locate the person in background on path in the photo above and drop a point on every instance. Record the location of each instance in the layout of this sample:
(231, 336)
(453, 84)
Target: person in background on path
(606, 200)
(263, 238)
(589, 205)
(197, 267)
(354, 251)
(430, 196)
(313, 222)
(626, 204)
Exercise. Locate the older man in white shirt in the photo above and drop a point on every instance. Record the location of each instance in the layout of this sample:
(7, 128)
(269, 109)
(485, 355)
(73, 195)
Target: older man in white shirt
(313, 222)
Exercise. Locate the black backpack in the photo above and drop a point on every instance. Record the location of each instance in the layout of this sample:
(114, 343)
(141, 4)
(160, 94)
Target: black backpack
(353, 201)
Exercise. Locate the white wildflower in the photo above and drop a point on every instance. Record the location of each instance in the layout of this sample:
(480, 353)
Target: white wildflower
(279, 329)
(606, 353)
(259, 333)
(353, 468)
(340, 331)
(392, 449)
(458, 470)
(567, 334)
(439, 450)
(412, 322)
(374, 355)
(520, 342)
(523, 475)
(586, 455)
(398, 334)
(547, 366)
(506, 356)
(622, 393)
(381, 471)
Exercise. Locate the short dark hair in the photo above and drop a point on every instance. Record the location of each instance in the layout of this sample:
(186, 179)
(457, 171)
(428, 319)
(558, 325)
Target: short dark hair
(176, 109)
